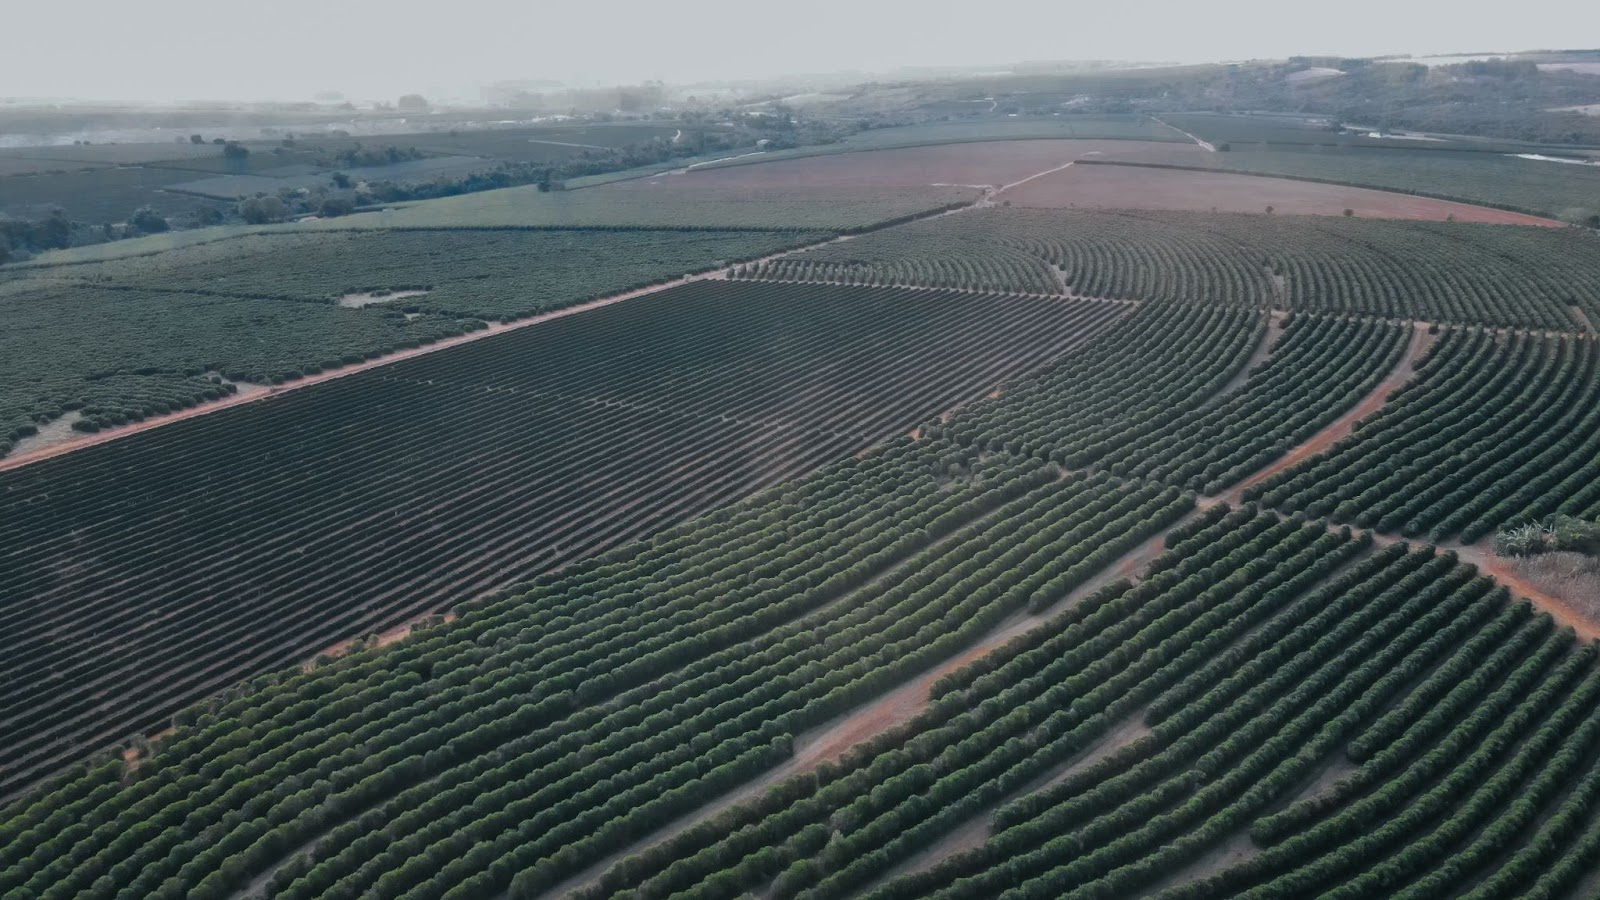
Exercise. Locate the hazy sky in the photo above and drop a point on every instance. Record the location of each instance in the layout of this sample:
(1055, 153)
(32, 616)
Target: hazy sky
(173, 50)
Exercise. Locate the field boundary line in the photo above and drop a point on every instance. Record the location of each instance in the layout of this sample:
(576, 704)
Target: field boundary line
(1206, 145)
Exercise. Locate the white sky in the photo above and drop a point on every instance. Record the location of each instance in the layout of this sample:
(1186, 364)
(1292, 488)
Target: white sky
(175, 50)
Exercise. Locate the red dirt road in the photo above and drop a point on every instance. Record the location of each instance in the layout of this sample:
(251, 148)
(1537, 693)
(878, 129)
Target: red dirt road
(1137, 187)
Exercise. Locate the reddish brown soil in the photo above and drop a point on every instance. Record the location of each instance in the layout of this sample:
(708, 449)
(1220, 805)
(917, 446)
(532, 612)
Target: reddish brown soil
(985, 163)
(1506, 572)
(1132, 187)
(78, 441)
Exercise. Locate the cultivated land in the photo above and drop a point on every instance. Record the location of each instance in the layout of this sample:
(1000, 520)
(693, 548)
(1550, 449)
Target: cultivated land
(1436, 271)
(1001, 553)
(389, 484)
(123, 341)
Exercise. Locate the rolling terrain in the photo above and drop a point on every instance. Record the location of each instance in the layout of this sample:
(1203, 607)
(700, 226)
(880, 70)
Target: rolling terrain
(920, 545)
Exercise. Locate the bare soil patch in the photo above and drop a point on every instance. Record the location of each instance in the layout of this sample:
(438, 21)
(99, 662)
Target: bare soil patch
(51, 433)
(381, 639)
(1262, 351)
(1137, 187)
(358, 300)
(1583, 319)
(985, 163)
(1236, 849)
(1566, 585)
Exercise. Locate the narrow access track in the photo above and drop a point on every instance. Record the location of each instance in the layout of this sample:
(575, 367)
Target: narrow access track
(1204, 145)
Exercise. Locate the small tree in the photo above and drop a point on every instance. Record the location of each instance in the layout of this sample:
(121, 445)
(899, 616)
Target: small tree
(1269, 210)
(1349, 212)
(338, 206)
(234, 150)
(341, 180)
(196, 139)
(147, 221)
(260, 210)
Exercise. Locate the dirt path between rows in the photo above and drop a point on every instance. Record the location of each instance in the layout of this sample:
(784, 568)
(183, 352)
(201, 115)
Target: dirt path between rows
(80, 440)
(1343, 426)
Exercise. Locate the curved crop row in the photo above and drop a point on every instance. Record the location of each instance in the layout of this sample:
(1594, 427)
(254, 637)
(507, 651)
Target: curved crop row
(1494, 430)
(540, 732)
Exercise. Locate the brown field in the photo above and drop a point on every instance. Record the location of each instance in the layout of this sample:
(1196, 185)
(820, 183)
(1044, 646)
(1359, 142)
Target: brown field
(1133, 187)
(986, 163)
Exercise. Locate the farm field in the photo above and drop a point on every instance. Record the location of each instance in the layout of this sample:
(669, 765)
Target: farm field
(480, 273)
(1126, 128)
(833, 526)
(233, 187)
(1436, 271)
(115, 356)
(117, 342)
(96, 195)
(1139, 187)
(1119, 683)
(370, 498)
(818, 209)
(1493, 430)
